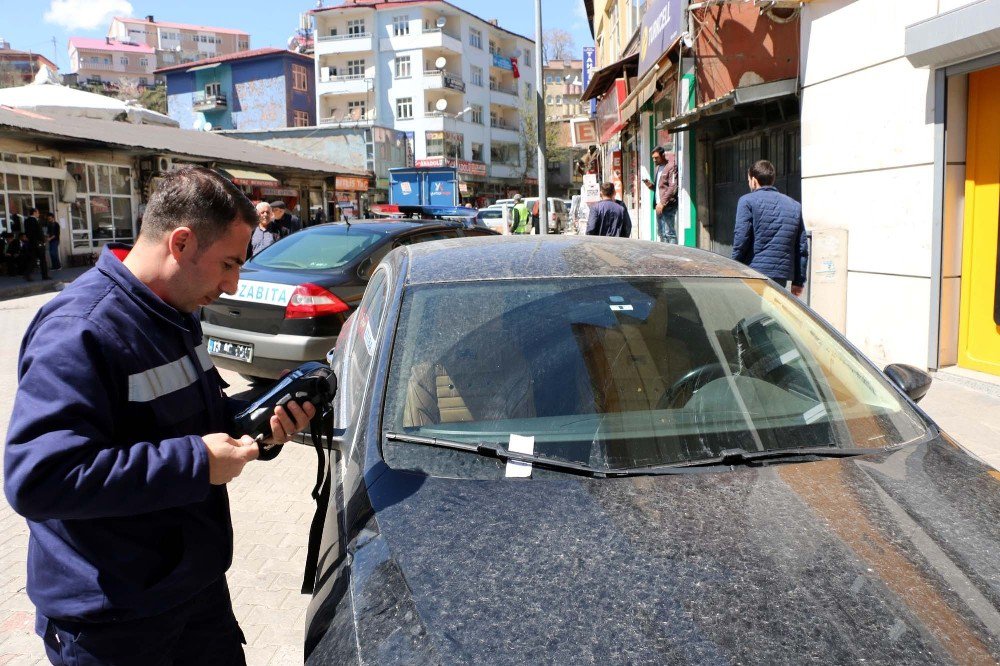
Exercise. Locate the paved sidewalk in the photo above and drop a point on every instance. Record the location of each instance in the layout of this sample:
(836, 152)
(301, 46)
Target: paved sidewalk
(12, 287)
(971, 417)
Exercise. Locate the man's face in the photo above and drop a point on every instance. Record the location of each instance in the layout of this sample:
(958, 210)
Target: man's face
(279, 213)
(210, 271)
(264, 216)
(658, 159)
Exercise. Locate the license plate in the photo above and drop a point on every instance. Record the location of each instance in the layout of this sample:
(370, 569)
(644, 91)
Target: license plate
(235, 350)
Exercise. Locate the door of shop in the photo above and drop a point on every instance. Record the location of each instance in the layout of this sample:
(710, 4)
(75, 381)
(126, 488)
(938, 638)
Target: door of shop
(732, 157)
(979, 322)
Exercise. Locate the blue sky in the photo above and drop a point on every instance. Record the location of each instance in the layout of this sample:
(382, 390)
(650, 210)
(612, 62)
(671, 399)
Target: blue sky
(31, 24)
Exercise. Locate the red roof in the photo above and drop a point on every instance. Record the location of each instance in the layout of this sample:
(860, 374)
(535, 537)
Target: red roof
(182, 26)
(231, 57)
(95, 44)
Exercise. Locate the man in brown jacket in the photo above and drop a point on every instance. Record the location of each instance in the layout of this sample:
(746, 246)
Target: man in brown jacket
(664, 183)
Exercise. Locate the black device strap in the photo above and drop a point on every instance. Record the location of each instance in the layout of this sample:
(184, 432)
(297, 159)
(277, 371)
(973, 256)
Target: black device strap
(321, 426)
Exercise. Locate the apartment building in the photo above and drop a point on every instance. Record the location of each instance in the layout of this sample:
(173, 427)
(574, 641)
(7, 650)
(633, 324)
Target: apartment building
(178, 43)
(21, 66)
(563, 87)
(456, 84)
(107, 61)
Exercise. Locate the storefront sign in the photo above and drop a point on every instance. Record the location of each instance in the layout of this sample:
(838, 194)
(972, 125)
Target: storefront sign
(591, 190)
(502, 62)
(609, 118)
(351, 184)
(464, 167)
(616, 173)
(453, 82)
(661, 28)
(278, 192)
(584, 133)
(589, 64)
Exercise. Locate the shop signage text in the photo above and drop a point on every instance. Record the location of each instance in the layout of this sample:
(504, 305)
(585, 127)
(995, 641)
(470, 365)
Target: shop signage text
(609, 113)
(661, 28)
(351, 184)
(589, 62)
(464, 167)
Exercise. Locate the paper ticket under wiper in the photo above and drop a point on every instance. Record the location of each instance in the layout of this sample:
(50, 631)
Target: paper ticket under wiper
(520, 444)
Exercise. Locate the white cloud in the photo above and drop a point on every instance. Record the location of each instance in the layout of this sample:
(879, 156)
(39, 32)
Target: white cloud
(86, 14)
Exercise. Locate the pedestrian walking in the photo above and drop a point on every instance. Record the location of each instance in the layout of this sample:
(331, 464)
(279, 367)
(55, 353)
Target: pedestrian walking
(609, 217)
(284, 222)
(520, 216)
(117, 451)
(264, 234)
(664, 184)
(52, 234)
(770, 235)
(34, 251)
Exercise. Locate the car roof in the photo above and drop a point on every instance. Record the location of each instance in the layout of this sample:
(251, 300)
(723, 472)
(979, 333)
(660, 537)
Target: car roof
(511, 257)
(388, 227)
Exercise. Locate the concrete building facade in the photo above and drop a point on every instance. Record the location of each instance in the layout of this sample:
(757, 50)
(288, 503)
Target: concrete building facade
(563, 87)
(108, 61)
(18, 67)
(456, 84)
(178, 43)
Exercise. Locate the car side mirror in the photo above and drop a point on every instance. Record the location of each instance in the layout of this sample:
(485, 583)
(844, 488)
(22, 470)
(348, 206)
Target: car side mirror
(912, 381)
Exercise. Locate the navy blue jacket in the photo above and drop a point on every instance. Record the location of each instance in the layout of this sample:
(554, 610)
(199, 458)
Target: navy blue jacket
(609, 218)
(104, 453)
(770, 235)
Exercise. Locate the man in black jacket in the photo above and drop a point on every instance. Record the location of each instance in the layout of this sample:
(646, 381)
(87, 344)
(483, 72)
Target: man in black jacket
(34, 249)
(609, 217)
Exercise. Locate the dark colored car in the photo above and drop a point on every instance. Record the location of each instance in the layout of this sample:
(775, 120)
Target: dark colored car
(294, 296)
(576, 450)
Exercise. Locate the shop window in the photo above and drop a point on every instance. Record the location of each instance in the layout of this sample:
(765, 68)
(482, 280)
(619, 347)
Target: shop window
(102, 212)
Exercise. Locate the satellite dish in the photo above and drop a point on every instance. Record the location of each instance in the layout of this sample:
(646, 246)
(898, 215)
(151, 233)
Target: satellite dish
(198, 122)
(441, 62)
(441, 22)
(441, 104)
(208, 127)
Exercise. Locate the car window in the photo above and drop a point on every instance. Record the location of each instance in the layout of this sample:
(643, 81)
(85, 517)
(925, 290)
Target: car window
(490, 214)
(320, 248)
(618, 373)
(442, 234)
(364, 337)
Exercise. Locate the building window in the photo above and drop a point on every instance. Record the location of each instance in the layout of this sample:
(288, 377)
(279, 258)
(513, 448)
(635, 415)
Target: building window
(213, 89)
(477, 75)
(144, 62)
(559, 100)
(244, 45)
(299, 78)
(548, 99)
(494, 49)
(477, 152)
(400, 25)
(402, 67)
(356, 69)
(404, 108)
(356, 27)
(527, 58)
(300, 118)
(475, 38)
(123, 61)
(445, 144)
(356, 110)
(505, 153)
(477, 114)
(548, 79)
(94, 60)
(102, 212)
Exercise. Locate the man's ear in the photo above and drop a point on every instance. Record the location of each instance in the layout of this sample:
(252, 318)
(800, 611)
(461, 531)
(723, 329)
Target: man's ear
(182, 243)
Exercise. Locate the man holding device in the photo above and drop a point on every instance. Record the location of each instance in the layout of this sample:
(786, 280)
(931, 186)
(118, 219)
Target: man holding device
(122, 440)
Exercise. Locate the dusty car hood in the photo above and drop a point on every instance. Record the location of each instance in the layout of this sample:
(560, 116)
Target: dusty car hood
(892, 558)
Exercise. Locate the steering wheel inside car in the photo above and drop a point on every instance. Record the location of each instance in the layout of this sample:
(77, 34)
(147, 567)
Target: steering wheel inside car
(688, 385)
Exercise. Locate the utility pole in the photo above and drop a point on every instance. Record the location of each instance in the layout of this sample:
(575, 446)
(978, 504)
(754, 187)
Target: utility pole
(543, 200)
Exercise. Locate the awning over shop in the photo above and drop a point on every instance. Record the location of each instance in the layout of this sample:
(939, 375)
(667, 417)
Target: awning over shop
(247, 177)
(763, 92)
(961, 34)
(643, 90)
(604, 78)
(202, 67)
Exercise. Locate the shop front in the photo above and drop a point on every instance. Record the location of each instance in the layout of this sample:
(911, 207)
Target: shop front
(349, 198)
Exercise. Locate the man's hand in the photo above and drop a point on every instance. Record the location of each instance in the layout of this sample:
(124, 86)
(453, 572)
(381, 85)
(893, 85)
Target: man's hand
(287, 422)
(659, 209)
(227, 456)
(797, 290)
(648, 183)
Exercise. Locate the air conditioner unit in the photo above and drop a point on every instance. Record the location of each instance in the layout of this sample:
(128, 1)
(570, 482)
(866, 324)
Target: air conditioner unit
(164, 164)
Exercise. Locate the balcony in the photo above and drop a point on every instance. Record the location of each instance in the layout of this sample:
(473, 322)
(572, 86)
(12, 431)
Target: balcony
(504, 95)
(427, 39)
(204, 102)
(437, 79)
(337, 44)
(351, 84)
(501, 170)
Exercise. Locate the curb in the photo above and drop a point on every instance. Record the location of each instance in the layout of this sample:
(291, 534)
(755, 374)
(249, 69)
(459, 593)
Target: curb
(32, 289)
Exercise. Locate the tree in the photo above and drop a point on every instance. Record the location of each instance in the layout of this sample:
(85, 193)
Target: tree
(557, 44)
(155, 99)
(128, 89)
(556, 148)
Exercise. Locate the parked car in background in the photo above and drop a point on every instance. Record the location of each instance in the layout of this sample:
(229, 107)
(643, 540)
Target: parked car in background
(575, 450)
(496, 217)
(558, 213)
(294, 296)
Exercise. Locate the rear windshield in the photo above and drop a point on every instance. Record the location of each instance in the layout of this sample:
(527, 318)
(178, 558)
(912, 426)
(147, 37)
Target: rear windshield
(318, 249)
(490, 214)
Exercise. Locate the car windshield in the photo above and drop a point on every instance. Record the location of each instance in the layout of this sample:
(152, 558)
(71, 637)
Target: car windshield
(617, 373)
(490, 214)
(321, 248)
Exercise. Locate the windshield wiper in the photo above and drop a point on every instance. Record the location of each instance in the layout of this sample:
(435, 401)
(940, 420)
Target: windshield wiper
(732, 457)
(493, 450)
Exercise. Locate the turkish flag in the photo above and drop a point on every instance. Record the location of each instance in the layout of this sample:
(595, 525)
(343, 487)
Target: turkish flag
(513, 66)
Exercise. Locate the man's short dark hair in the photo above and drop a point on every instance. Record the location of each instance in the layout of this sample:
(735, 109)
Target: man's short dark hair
(659, 150)
(608, 190)
(763, 171)
(198, 198)
(32, 212)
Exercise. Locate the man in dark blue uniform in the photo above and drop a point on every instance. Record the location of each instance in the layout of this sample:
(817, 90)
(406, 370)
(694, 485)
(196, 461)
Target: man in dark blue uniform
(609, 217)
(122, 440)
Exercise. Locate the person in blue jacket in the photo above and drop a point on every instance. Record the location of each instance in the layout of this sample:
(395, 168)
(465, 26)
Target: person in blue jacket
(770, 236)
(121, 442)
